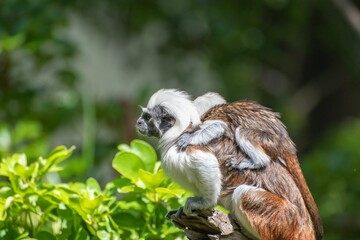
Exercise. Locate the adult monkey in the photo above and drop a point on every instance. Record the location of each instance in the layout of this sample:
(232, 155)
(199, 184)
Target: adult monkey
(238, 155)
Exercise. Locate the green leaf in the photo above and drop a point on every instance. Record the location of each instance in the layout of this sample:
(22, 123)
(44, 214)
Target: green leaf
(126, 189)
(20, 170)
(82, 234)
(90, 204)
(103, 235)
(168, 192)
(92, 184)
(3, 213)
(6, 191)
(124, 148)
(127, 220)
(128, 164)
(121, 182)
(146, 153)
(59, 154)
(152, 180)
(45, 235)
(143, 150)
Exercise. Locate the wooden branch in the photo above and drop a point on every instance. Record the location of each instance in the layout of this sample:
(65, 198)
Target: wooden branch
(207, 224)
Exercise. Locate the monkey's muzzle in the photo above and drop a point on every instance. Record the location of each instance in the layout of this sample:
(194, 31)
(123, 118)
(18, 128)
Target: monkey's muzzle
(147, 129)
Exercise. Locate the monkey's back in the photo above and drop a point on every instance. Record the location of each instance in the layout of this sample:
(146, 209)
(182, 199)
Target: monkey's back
(282, 176)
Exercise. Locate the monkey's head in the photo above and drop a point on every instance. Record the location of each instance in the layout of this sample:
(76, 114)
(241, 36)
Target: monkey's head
(168, 113)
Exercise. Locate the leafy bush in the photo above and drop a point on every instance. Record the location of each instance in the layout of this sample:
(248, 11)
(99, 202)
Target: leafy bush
(131, 207)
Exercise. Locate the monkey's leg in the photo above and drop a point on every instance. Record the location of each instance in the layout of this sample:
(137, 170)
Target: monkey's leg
(265, 215)
(206, 177)
(256, 156)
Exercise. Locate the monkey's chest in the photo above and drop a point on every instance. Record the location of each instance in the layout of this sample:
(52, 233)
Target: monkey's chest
(179, 167)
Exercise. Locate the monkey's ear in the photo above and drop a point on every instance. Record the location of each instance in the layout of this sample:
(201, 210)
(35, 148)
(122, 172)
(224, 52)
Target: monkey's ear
(142, 108)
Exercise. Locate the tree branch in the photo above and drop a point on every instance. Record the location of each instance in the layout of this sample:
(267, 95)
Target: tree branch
(207, 224)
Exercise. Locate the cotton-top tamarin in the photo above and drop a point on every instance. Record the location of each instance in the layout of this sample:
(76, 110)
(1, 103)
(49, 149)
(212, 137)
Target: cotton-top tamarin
(238, 155)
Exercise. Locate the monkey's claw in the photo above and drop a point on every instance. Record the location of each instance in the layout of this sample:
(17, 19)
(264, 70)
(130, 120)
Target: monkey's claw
(193, 203)
(177, 213)
(242, 165)
(183, 141)
(231, 164)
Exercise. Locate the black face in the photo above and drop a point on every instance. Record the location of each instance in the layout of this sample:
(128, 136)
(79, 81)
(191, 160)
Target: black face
(155, 122)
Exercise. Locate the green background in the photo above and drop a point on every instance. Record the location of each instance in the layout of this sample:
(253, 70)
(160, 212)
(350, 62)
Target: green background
(73, 73)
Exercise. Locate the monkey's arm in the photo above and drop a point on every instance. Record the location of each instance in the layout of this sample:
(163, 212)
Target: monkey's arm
(207, 131)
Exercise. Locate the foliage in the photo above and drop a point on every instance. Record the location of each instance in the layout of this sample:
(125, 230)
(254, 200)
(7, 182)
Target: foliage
(302, 60)
(24, 136)
(31, 207)
(149, 194)
(337, 196)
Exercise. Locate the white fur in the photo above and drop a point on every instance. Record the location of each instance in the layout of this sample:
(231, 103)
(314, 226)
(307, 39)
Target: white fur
(209, 130)
(258, 158)
(207, 101)
(197, 172)
(179, 105)
(239, 214)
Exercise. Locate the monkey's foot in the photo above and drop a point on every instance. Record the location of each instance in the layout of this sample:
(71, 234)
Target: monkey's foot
(242, 165)
(177, 213)
(193, 203)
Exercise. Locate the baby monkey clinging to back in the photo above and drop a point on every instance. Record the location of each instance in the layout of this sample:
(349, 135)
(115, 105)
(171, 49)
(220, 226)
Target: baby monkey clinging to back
(238, 155)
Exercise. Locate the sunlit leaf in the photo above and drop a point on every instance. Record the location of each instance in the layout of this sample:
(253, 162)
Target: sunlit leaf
(59, 154)
(3, 213)
(92, 184)
(146, 153)
(128, 164)
(103, 235)
(90, 204)
(126, 189)
(151, 180)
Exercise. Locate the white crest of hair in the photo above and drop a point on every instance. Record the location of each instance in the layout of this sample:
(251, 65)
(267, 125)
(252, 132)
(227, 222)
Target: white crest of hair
(207, 101)
(180, 106)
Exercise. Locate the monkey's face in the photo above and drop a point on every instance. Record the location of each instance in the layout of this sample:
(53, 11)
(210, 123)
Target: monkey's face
(155, 122)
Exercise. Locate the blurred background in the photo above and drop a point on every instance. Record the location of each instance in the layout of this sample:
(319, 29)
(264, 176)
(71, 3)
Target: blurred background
(74, 73)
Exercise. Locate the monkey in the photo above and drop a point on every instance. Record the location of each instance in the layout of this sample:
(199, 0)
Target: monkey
(207, 101)
(168, 113)
(238, 155)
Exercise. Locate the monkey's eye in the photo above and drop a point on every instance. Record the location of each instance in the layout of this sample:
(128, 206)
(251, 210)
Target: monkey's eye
(147, 116)
(167, 118)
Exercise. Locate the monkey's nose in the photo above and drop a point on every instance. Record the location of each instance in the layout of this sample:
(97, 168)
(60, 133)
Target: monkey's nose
(139, 123)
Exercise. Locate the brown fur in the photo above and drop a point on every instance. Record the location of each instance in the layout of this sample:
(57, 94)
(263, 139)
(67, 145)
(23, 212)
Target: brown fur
(286, 210)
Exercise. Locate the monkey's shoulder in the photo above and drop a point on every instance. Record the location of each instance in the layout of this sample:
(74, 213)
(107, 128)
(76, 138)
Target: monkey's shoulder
(241, 108)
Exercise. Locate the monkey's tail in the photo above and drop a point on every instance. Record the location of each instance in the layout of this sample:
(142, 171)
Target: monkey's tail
(295, 170)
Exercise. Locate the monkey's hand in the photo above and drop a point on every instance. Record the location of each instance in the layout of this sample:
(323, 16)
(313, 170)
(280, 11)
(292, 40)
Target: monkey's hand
(244, 164)
(193, 203)
(184, 141)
